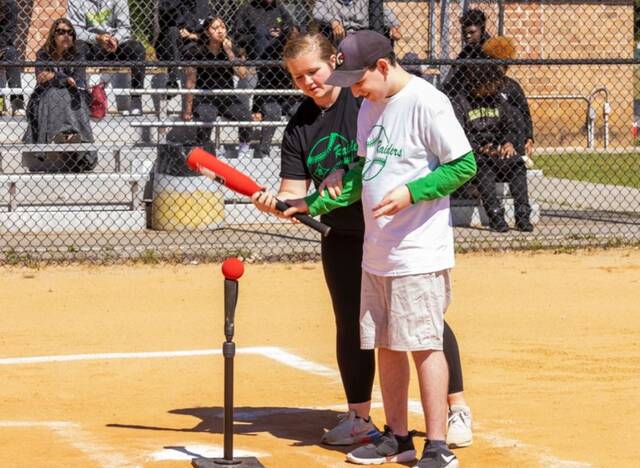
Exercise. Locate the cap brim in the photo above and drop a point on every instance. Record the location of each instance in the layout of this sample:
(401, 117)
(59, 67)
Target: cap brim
(345, 78)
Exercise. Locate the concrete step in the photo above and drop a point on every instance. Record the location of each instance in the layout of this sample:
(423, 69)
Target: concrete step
(131, 159)
(71, 221)
(467, 213)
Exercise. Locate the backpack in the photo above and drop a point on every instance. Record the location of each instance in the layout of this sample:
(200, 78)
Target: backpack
(99, 103)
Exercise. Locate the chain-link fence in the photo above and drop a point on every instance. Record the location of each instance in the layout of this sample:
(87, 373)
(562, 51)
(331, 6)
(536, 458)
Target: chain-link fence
(101, 100)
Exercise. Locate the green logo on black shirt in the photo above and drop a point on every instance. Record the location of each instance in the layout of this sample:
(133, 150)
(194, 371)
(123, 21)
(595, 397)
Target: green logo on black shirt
(342, 150)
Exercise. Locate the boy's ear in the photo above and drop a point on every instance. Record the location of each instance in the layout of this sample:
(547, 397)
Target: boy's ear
(383, 66)
(332, 61)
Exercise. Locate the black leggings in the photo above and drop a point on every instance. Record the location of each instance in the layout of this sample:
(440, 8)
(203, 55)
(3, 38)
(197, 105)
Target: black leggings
(342, 265)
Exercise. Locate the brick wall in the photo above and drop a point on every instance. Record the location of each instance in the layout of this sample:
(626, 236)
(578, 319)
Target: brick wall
(554, 30)
(34, 20)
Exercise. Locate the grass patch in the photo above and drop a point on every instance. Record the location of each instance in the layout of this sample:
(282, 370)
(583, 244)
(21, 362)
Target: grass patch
(614, 169)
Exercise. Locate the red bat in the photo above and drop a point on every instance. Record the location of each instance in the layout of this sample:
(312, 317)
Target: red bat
(207, 164)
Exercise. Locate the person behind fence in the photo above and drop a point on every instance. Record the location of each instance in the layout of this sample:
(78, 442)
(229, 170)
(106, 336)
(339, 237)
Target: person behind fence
(262, 28)
(492, 125)
(9, 53)
(179, 25)
(104, 34)
(215, 45)
(58, 109)
(503, 48)
(473, 25)
(336, 18)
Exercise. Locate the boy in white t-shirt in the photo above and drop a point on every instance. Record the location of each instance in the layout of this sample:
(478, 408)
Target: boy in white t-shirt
(414, 153)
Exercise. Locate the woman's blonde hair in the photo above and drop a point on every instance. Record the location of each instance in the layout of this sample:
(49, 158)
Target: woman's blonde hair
(306, 43)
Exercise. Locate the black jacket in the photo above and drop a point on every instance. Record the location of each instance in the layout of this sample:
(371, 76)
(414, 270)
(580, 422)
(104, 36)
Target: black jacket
(516, 98)
(254, 19)
(454, 82)
(489, 120)
(62, 73)
(8, 23)
(188, 14)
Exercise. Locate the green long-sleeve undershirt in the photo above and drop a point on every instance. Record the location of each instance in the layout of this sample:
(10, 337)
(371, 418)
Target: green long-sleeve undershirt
(444, 180)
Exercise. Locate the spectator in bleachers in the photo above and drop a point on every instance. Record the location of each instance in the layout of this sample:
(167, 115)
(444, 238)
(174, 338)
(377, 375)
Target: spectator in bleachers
(473, 25)
(8, 51)
(215, 45)
(104, 34)
(58, 109)
(491, 124)
(474, 29)
(502, 48)
(262, 28)
(180, 23)
(336, 18)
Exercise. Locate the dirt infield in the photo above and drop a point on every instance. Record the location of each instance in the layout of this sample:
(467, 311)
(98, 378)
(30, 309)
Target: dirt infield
(120, 366)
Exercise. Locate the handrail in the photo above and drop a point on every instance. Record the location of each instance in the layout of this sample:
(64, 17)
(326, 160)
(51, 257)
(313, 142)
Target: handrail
(606, 110)
(591, 113)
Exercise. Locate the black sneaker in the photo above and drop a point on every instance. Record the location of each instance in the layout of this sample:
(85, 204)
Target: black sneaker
(524, 225)
(387, 448)
(496, 220)
(437, 457)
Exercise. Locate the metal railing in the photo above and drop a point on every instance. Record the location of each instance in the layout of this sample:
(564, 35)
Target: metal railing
(590, 110)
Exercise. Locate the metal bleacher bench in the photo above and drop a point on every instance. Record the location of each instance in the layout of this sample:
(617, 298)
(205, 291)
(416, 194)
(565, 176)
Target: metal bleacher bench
(21, 191)
(114, 148)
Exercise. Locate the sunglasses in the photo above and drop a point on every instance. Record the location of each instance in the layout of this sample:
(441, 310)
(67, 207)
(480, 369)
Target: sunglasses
(68, 32)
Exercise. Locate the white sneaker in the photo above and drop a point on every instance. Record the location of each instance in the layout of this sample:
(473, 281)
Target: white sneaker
(244, 150)
(459, 425)
(351, 430)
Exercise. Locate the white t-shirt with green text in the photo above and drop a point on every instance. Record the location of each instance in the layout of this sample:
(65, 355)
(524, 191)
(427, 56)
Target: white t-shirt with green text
(405, 138)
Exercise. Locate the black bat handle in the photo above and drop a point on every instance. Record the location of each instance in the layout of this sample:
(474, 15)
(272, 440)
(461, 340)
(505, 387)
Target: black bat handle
(306, 219)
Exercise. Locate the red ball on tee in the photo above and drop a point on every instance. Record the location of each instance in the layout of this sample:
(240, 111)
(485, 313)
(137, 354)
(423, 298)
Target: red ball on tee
(232, 268)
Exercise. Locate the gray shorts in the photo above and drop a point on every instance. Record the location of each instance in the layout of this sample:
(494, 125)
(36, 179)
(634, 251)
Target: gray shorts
(404, 313)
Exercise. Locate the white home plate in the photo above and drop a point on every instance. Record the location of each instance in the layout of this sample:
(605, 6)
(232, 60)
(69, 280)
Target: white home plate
(189, 452)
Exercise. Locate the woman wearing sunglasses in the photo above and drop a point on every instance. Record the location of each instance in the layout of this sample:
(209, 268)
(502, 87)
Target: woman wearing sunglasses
(58, 110)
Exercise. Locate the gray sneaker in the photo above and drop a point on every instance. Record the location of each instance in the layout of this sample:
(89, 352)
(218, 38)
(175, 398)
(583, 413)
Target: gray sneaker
(437, 457)
(385, 449)
(351, 430)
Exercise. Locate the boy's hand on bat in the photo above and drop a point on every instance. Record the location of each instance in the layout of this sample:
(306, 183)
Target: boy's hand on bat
(298, 205)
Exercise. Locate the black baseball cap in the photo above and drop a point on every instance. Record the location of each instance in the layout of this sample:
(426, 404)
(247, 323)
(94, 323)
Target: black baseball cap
(357, 52)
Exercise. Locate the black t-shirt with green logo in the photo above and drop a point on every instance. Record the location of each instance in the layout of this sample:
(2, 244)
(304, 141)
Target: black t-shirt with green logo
(315, 143)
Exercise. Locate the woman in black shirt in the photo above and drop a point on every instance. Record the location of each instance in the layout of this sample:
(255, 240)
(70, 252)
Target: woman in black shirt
(319, 140)
(215, 46)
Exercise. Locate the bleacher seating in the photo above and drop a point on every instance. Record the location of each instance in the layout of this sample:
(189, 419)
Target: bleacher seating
(112, 196)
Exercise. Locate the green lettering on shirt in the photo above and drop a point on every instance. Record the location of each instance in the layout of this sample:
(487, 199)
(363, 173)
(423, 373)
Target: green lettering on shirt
(379, 139)
(483, 112)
